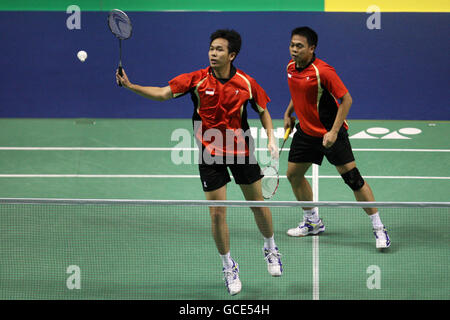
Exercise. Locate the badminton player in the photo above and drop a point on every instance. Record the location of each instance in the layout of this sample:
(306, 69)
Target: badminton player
(322, 131)
(220, 94)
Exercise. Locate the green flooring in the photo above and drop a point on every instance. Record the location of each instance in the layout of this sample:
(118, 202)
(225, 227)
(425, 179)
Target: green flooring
(145, 252)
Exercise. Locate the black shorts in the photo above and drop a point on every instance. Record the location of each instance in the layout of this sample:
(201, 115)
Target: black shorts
(305, 148)
(215, 176)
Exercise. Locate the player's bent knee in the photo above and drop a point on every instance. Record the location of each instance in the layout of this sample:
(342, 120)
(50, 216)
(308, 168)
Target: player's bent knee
(289, 176)
(353, 179)
(293, 176)
(217, 213)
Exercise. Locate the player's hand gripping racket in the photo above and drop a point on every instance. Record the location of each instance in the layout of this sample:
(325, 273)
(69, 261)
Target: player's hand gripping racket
(120, 26)
(271, 179)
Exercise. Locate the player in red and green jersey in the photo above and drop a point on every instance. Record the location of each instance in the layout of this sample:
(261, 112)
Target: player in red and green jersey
(321, 102)
(220, 94)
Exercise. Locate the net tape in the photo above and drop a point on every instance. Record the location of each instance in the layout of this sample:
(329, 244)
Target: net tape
(226, 203)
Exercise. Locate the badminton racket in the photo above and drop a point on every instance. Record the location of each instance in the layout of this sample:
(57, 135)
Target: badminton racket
(120, 26)
(271, 179)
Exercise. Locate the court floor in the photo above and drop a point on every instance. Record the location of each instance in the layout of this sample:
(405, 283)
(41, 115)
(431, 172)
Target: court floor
(168, 253)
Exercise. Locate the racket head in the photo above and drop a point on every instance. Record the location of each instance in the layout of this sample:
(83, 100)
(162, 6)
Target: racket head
(119, 24)
(270, 181)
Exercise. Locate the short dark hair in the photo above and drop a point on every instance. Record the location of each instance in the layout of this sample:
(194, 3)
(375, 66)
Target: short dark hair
(308, 33)
(233, 37)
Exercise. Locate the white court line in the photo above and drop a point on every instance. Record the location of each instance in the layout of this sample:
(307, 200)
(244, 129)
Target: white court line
(184, 176)
(183, 149)
(96, 149)
(315, 239)
(153, 176)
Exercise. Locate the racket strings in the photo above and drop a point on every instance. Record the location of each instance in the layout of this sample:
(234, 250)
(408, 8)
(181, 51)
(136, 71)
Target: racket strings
(269, 182)
(120, 24)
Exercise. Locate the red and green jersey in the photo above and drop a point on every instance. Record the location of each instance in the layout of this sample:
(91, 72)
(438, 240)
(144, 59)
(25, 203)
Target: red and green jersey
(221, 107)
(315, 91)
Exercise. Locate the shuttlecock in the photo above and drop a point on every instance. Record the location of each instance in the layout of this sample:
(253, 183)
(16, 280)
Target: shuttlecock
(82, 55)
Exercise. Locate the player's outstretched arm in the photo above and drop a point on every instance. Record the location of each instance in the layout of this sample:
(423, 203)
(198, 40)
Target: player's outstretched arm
(153, 93)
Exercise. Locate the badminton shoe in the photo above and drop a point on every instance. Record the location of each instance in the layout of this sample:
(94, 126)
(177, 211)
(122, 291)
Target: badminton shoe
(382, 238)
(307, 227)
(231, 277)
(273, 259)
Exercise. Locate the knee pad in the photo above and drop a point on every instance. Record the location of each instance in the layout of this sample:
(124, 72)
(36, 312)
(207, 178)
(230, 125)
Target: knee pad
(353, 179)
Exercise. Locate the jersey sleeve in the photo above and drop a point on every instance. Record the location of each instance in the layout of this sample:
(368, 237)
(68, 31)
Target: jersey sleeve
(259, 98)
(183, 83)
(331, 81)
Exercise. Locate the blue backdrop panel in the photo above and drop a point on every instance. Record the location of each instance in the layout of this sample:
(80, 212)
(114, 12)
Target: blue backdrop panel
(398, 72)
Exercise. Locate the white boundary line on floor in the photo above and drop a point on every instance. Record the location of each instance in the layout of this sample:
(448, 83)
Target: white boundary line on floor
(186, 149)
(182, 176)
(315, 239)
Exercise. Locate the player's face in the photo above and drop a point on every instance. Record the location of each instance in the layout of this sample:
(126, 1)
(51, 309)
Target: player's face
(219, 56)
(300, 51)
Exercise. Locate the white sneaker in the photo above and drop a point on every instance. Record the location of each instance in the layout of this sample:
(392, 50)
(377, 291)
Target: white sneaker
(231, 277)
(382, 238)
(307, 228)
(274, 265)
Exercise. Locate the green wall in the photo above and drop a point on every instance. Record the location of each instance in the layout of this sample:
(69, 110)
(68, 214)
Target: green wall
(158, 5)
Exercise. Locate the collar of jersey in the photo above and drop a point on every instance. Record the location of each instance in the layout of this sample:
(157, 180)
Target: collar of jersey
(309, 63)
(223, 81)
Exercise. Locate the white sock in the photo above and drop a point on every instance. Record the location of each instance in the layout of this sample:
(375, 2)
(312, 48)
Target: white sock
(376, 221)
(269, 243)
(226, 260)
(312, 215)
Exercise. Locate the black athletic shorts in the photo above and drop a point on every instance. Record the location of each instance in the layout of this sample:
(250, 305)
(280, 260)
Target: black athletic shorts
(305, 148)
(216, 175)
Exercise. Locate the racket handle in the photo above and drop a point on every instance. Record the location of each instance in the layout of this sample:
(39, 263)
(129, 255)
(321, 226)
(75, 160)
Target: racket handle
(120, 74)
(286, 135)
